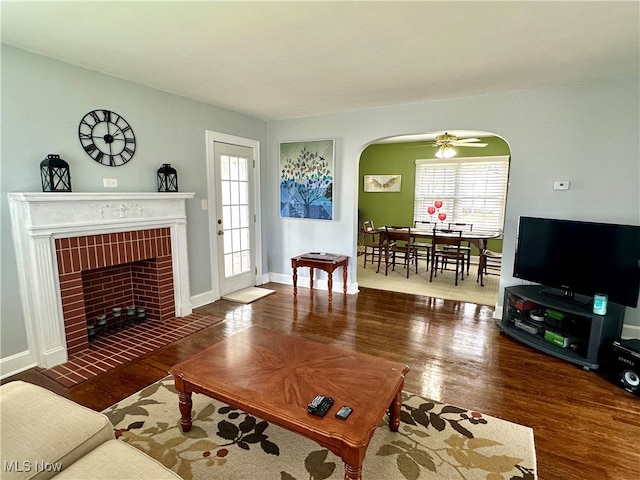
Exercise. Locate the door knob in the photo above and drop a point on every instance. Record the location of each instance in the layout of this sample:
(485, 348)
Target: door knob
(220, 232)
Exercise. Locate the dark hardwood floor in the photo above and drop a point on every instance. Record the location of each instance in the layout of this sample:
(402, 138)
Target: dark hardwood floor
(584, 427)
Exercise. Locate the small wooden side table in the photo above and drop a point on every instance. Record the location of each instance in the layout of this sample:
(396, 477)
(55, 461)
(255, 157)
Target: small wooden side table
(324, 261)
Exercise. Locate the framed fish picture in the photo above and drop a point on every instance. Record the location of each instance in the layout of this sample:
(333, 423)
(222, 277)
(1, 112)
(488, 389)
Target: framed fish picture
(382, 183)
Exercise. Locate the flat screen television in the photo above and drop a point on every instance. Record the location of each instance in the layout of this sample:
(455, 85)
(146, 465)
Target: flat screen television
(580, 258)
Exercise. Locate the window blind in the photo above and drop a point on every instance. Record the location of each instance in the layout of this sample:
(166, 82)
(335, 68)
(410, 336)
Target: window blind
(472, 190)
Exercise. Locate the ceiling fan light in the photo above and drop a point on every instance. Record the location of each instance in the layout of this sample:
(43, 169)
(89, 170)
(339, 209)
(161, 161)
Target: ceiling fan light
(445, 151)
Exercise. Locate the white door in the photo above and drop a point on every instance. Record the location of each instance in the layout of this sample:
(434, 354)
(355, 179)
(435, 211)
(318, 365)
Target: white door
(235, 218)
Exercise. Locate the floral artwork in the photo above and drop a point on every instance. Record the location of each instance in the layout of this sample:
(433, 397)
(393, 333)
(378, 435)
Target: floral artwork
(306, 179)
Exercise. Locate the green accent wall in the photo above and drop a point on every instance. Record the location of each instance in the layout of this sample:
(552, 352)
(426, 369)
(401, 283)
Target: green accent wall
(396, 208)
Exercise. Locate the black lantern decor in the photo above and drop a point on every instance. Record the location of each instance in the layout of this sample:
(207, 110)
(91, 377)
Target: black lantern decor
(55, 175)
(167, 178)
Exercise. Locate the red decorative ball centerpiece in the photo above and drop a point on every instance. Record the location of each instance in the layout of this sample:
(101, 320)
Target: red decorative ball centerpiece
(438, 203)
(442, 216)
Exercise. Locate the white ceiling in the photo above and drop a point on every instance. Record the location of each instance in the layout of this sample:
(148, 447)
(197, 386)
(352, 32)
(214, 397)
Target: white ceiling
(276, 60)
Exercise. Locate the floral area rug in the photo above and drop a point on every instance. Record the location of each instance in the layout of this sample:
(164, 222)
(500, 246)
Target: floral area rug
(435, 441)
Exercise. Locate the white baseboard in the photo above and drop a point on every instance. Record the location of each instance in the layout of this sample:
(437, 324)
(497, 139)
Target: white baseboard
(202, 299)
(284, 279)
(16, 363)
(630, 331)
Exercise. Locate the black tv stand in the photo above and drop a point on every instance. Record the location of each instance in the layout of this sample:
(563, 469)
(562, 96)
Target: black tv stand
(586, 332)
(566, 295)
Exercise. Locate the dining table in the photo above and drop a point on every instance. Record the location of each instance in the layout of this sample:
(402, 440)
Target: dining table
(478, 238)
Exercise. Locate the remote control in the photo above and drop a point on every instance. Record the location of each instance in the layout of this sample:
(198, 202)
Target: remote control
(313, 405)
(320, 405)
(324, 406)
(344, 412)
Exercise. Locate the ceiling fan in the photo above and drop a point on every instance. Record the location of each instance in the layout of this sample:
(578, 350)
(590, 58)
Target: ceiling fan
(446, 142)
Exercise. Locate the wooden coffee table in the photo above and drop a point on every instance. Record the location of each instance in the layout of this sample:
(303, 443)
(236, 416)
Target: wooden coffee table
(274, 376)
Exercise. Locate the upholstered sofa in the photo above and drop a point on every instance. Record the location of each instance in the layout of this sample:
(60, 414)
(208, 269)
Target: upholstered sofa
(46, 436)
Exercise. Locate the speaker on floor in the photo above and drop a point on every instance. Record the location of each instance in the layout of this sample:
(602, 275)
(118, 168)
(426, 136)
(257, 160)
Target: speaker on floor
(624, 369)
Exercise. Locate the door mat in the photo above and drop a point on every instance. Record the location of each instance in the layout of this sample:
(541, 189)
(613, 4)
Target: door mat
(248, 295)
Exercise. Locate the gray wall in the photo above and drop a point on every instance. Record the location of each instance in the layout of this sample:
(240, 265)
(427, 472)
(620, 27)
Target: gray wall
(587, 134)
(43, 101)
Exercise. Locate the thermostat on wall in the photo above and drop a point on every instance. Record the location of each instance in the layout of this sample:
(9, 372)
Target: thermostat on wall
(561, 185)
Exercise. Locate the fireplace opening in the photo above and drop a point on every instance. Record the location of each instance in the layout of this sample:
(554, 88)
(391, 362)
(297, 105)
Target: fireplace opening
(98, 273)
(121, 295)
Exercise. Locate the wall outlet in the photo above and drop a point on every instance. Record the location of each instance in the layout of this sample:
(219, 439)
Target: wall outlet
(110, 182)
(561, 185)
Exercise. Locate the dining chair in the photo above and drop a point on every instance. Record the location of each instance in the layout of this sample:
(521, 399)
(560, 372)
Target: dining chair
(398, 245)
(450, 242)
(490, 264)
(423, 248)
(464, 227)
(372, 242)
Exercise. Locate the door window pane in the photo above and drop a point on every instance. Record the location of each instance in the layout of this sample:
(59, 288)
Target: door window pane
(235, 208)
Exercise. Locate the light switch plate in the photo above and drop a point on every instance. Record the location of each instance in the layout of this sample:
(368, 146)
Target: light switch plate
(110, 182)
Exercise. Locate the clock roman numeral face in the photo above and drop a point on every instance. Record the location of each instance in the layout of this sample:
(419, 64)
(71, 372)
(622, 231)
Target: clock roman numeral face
(107, 138)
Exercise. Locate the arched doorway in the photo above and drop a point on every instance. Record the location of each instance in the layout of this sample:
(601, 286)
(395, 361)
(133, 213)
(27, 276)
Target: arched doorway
(393, 160)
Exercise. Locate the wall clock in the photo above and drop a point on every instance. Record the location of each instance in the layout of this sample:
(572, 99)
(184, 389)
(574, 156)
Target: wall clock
(107, 137)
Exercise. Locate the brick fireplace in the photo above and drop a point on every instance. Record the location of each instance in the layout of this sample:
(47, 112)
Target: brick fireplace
(99, 272)
(81, 254)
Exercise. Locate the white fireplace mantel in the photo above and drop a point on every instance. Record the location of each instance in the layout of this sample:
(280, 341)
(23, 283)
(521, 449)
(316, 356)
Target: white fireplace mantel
(38, 219)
